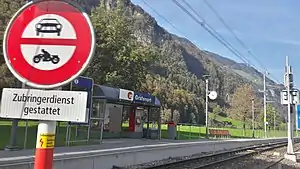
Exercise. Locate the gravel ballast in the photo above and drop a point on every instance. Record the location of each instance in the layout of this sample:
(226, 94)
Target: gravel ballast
(263, 160)
(258, 161)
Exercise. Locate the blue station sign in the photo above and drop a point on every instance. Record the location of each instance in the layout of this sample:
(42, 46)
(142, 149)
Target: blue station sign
(143, 98)
(83, 82)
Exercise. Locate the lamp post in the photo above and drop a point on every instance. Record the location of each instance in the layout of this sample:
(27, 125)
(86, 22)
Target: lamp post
(206, 104)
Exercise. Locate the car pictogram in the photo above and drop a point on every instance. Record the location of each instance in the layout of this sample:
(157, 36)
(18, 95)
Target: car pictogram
(48, 25)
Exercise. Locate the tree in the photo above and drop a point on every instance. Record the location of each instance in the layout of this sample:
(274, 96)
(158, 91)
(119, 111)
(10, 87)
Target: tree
(7, 8)
(241, 104)
(119, 59)
(272, 114)
(217, 110)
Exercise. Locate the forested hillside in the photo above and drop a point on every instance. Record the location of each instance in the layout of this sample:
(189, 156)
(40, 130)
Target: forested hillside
(156, 61)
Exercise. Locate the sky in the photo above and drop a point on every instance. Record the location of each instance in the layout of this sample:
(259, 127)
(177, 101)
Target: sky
(269, 29)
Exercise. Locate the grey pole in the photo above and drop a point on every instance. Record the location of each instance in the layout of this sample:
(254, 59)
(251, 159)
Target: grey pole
(12, 145)
(265, 106)
(290, 148)
(13, 136)
(252, 118)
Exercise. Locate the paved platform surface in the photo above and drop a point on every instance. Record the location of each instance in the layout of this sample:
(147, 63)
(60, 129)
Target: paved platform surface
(106, 144)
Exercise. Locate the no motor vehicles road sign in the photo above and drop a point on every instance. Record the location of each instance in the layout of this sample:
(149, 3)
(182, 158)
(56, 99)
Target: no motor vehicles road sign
(48, 44)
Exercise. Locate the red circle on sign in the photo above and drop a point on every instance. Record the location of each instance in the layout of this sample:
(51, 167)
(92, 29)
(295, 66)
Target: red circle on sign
(129, 95)
(82, 54)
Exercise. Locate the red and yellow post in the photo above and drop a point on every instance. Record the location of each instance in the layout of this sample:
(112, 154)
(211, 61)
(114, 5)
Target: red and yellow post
(45, 145)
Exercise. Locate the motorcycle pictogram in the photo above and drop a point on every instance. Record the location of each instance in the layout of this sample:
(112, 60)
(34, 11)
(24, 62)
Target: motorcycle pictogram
(46, 57)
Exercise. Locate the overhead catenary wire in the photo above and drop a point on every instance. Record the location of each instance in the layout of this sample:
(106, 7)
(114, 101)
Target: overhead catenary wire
(212, 31)
(165, 19)
(232, 32)
(215, 34)
(183, 34)
(237, 38)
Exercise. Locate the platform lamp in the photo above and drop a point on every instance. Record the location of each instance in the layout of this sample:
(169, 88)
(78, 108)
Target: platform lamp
(206, 77)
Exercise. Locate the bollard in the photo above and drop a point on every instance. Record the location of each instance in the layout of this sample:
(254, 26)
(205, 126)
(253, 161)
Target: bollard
(45, 145)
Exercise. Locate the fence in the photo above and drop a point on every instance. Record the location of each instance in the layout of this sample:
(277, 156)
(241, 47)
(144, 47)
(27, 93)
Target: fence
(26, 133)
(193, 131)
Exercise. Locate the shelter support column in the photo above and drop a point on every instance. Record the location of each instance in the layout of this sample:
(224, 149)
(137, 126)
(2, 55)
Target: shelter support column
(159, 125)
(132, 119)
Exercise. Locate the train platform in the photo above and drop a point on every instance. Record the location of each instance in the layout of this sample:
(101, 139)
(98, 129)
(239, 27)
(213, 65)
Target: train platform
(121, 152)
(106, 144)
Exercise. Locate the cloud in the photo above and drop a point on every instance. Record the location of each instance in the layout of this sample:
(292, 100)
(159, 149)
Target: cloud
(277, 40)
(291, 42)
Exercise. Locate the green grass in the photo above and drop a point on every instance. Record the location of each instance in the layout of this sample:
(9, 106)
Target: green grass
(184, 132)
(199, 131)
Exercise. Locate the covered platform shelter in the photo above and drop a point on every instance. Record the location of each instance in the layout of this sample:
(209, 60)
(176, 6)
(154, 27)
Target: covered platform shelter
(121, 113)
(114, 113)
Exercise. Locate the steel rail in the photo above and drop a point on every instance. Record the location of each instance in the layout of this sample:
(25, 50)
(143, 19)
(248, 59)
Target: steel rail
(233, 155)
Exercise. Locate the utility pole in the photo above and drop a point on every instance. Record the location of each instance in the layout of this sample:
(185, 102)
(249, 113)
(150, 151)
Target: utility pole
(289, 85)
(274, 119)
(206, 104)
(252, 118)
(265, 105)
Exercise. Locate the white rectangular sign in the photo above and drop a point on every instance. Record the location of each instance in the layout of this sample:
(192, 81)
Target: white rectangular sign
(126, 95)
(294, 97)
(53, 105)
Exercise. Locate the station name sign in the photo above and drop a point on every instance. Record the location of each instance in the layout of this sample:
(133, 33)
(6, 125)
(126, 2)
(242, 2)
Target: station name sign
(143, 98)
(43, 104)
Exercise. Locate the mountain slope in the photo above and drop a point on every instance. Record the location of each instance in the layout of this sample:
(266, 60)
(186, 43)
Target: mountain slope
(186, 63)
(186, 57)
(226, 73)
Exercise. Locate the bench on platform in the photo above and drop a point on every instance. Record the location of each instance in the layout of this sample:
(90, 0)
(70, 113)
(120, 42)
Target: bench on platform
(219, 133)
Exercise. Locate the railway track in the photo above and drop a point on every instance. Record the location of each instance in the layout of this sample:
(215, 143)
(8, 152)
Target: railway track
(218, 159)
